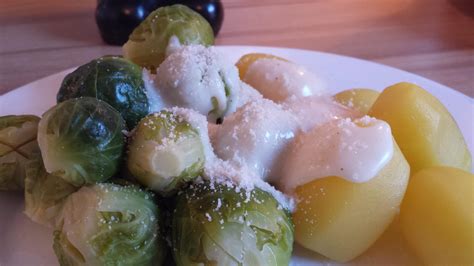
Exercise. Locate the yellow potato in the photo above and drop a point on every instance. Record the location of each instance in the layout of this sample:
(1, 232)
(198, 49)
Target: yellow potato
(246, 60)
(340, 219)
(437, 216)
(424, 129)
(358, 99)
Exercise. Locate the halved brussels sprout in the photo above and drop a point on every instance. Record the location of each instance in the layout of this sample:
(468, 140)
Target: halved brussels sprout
(217, 224)
(166, 151)
(81, 140)
(109, 224)
(18, 145)
(44, 194)
(112, 79)
(148, 42)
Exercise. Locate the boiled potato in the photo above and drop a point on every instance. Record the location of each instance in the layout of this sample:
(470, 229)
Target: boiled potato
(358, 99)
(340, 219)
(437, 216)
(246, 60)
(424, 129)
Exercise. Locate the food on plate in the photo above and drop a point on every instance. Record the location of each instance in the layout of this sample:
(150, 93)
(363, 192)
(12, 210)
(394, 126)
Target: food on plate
(112, 79)
(355, 150)
(341, 219)
(214, 144)
(178, 24)
(256, 137)
(17, 145)
(278, 79)
(167, 150)
(247, 94)
(109, 224)
(246, 60)
(424, 129)
(44, 194)
(221, 225)
(360, 100)
(81, 140)
(322, 109)
(211, 10)
(437, 217)
(198, 78)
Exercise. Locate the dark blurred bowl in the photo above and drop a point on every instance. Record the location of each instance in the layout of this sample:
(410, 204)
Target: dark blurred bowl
(116, 19)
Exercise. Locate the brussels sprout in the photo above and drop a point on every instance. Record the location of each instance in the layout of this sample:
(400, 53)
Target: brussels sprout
(44, 194)
(112, 79)
(215, 224)
(165, 152)
(148, 42)
(81, 140)
(199, 78)
(17, 145)
(109, 224)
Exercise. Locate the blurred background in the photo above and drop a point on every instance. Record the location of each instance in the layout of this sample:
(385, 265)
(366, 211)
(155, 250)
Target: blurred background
(432, 38)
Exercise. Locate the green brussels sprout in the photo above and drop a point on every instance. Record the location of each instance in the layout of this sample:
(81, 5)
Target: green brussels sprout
(217, 224)
(148, 43)
(112, 79)
(109, 224)
(18, 145)
(81, 140)
(44, 194)
(165, 152)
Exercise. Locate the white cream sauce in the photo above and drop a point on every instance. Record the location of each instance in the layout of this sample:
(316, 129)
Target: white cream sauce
(256, 137)
(278, 80)
(314, 111)
(354, 150)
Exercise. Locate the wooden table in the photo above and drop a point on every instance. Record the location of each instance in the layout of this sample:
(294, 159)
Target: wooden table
(432, 38)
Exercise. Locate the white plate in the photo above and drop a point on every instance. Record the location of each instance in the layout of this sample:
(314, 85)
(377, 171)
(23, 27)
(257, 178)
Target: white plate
(26, 243)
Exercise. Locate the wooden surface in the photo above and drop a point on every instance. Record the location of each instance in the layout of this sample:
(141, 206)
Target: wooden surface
(432, 38)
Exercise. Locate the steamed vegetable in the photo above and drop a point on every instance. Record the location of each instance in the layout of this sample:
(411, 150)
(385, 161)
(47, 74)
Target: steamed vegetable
(199, 78)
(437, 216)
(357, 99)
(425, 130)
(148, 43)
(211, 10)
(218, 224)
(81, 140)
(112, 79)
(18, 145)
(44, 194)
(341, 219)
(166, 151)
(278, 79)
(108, 224)
(247, 60)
